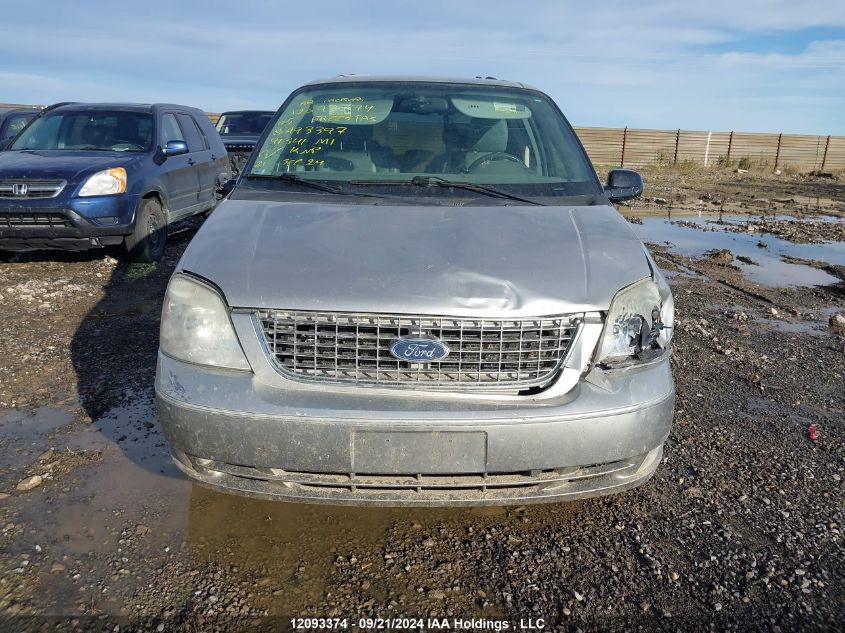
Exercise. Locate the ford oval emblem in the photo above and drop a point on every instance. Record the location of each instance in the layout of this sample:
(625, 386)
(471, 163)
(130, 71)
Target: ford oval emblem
(419, 350)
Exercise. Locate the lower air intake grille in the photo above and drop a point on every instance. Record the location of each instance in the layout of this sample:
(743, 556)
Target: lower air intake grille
(10, 220)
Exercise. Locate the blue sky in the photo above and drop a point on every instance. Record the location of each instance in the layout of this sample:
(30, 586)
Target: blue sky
(752, 65)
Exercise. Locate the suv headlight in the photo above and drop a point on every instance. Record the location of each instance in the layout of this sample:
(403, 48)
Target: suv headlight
(195, 326)
(105, 183)
(638, 324)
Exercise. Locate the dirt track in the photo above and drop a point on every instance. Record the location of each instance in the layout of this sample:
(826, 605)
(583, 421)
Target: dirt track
(741, 528)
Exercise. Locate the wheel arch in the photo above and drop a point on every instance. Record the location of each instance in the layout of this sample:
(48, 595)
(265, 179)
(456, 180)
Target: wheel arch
(152, 194)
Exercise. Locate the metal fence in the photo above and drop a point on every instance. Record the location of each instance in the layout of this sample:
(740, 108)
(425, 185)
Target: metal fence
(635, 147)
(631, 147)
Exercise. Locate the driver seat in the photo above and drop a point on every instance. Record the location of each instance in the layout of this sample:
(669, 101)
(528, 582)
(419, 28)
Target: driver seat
(91, 135)
(127, 131)
(466, 143)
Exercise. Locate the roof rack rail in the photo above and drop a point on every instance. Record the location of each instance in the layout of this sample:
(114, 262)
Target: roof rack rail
(57, 105)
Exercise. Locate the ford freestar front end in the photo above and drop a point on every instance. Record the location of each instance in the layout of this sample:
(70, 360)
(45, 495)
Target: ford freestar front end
(418, 293)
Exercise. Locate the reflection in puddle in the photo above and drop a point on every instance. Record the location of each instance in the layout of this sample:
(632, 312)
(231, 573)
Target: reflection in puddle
(292, 549)
(768, 267)
(289, 548)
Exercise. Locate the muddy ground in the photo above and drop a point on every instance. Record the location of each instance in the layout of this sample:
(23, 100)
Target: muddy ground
(740, 529)
(737, 191)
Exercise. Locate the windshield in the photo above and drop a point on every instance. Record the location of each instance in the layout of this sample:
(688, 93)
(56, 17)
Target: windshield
(14, 123)
(363, 134)
(243, 123)
(95, 130)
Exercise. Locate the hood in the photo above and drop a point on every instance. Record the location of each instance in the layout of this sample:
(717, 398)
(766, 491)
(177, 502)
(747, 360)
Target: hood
(457, 261)
(67, 165)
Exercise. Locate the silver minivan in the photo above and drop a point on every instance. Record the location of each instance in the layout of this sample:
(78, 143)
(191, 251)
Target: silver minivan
(418, 293)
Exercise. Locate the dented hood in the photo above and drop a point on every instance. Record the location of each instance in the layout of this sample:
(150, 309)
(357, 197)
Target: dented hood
(461, 261)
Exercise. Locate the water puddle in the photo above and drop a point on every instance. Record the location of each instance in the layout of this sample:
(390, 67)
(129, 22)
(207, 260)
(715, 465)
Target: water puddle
(107, 527)
(699, 234)
(813, 328)
(293, 548)
(23, 433)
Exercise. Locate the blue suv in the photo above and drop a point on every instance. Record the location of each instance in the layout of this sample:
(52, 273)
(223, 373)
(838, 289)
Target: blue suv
(83, 176)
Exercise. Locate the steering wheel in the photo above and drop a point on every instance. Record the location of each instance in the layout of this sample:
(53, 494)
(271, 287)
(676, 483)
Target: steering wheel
(336, 163)
(493, 157)
(126, 145)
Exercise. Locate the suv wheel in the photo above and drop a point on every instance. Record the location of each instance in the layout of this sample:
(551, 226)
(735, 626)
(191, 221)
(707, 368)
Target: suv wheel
(147, 240)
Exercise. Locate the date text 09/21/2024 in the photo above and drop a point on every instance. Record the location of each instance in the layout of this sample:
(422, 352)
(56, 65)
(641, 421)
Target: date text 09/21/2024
(424, 624)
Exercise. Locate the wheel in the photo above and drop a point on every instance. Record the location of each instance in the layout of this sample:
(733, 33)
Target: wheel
(147, 240)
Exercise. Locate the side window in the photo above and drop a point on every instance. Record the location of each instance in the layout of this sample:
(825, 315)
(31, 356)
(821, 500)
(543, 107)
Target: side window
(192, 135)
(202, 133)
(170, 129)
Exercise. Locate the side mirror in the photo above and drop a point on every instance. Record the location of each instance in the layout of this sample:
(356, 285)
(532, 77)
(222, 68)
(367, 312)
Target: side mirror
(174, 148)
(623, 184)
(5, 143)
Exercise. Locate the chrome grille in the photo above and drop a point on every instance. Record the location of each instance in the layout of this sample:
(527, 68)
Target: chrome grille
(47, 219)
(31, 188)
(355, 348)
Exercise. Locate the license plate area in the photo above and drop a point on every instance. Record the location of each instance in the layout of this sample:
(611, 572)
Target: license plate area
(418, 452)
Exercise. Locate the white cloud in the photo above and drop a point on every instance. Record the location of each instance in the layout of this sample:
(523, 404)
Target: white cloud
(609, 64)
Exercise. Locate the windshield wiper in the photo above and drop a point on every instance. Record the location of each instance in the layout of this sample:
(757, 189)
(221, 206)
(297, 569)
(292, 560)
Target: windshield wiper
(437, 181)
(299, 180)
(316, 184)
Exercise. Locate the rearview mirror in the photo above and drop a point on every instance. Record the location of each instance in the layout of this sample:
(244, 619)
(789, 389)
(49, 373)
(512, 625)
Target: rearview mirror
(175, 148)
(623, 184)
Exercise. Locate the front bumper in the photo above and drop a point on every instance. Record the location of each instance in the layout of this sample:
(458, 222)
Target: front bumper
(234, 431)
(239, 153)
(71, 224)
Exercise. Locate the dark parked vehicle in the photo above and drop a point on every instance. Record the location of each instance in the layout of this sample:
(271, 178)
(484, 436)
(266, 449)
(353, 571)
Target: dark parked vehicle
(240, 132)
(13, 120)
(83, 176)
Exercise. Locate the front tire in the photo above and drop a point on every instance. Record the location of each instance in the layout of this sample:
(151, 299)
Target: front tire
(148, 238)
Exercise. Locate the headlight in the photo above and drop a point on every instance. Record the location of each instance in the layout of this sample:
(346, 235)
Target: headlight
(636, 323)
(195, 326)
(105, 183)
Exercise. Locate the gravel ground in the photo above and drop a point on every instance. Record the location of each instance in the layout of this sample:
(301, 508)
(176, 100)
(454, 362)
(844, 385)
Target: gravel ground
(741, 528)
(692, 188)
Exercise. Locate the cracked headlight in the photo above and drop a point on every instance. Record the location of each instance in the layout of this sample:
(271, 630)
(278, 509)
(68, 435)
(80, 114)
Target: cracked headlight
(196, 328)
(636, 324)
